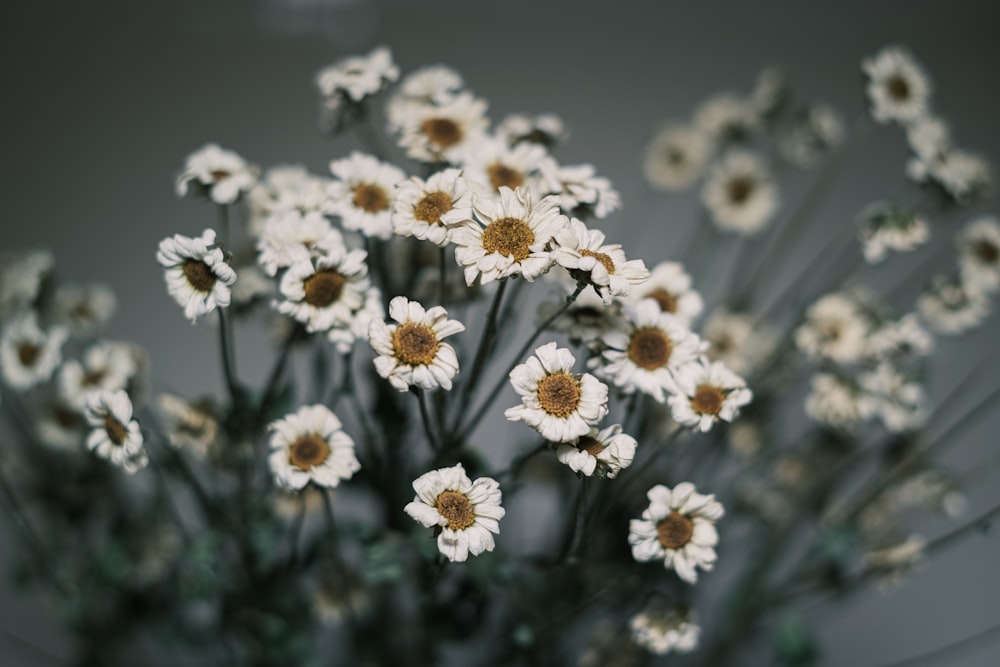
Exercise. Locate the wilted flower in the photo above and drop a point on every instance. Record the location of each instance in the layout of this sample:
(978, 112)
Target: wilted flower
(356, 77)
(676, 157)
(114, 435)
(29, 354)
(886, 227)
(663, 631)
(362, 194)
(197, 273)
(706, 392)
(219, 174)
(584, 254)
(602, 452)
(419, 205)
(309, 446)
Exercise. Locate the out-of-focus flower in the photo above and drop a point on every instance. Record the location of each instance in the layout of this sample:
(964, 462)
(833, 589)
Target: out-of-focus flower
(546, 129)
(740, 193)
(356, 77)
(21, 278)
(219, 174)
(28, 354)
(898, 89)
(706, 392)
(979, 254)
(84, 309)
(602, 452)
(582, 193)
(662, 631)
(835, 328)
(951, 306)
(676, 157)
(886, 227)
(446, 132)
(670, 286)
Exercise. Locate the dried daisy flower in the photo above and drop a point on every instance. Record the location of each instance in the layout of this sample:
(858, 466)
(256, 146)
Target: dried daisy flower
(105, 365)
(343, 335)
(706, 392)
(894, 562)
(899, 401)
(506, 237)
(581, 192)
(84, 309)
(411, 353)
(495, 165)
(816, 130)
(465, 513)
(679, 528)
(588, 259)
(979, 254)
(904, 336)
(219, 174)
(740, 192)
(285, 187)
(362, 193)
(835, 328)
(432, 84)
(670, 286)
(189, 425)
(898, 89)
(327, 290)
(950, 306)
(739, 340)
(545, 129)
(354, 78)
(21, 278)
(114, 435)
(676, 157)
(602, 452)
(662, 631)
(290, 236)
(197, 273)
(886, 227)
(30, 355)
(559, 405)
(962, 176)
(727, 117)
(419, 205)
(445, 132)
(308, 445)
(837, 402)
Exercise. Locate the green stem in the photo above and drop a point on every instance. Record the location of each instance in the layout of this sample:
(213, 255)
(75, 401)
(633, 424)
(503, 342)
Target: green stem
(224, 226)
(485, 343)
(228, 363)
(425, 417)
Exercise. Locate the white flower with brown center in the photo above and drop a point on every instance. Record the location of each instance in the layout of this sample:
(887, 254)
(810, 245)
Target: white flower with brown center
(21, 277)
(219, 174)
(105, 365)
(885, 227)
(114, 435)
(356, 77)
(61, 426)
(362, 194)
(495, 165)
(28, 354)
(343, 335)
(835, 328)
(285, 187)
(545, 129)
(290, 236)
(678, 527)
(410, 353)
(740, 193)
(707, 392)
(898, 89)
(641, 356)
(197, 273)
(191, 426)
(584, 254)
(604, 453)
(309, 446)
(979, 254)
(581, 191)
(670, 286)
(465, 513)
(555, 402)
(419, 205)
(739, 340)
(676, 157)
(84, 309)
(327, 290)
(662, 631)
(443, 132)
(838, 402)
(727, 118)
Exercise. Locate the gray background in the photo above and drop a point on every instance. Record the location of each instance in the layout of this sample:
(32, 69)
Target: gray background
(102, 101)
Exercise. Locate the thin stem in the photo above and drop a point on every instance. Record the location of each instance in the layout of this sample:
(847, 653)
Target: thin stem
(368, 133)
(573, 536)
(224, 225)
(228, 363)
(443, 276)
(277, 372)
(518, 463)
(426, 419)
(485, 342)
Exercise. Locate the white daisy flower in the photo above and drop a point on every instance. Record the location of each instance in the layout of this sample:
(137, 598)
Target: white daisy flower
(584, 254)
(466, 513)
(84, 308)
(740, 193)
(431, 84)
(21, 278)
(308, 445)
(197, 274)
(29, 355)
(219, 174)
(581, 192)
(676, 157)
(642, 355)
(726, 117)
(114, 435)
(60, 426)
(963, 176)
(555, 402)
(444, 132)
(670, 286)
(898, 89)
(706, 392)
(411, 353)
(344, 335)
(495, 165)
(356, 77)
(979, 254)
(546, 129)
(663, 631)
(738, 340)
(105, 365)
(285, 187)
(362, 194)
(903, 336)
(885, 227)
(189, 426)
(929, 137)
(419, 205)
(836, 402)
(814, 132)
(951, 306)
(290, 236)
(895, 561)
(900, 402)
(327, 290)
(505, 237)
(604, 452)
(679, 528)
(835, 328)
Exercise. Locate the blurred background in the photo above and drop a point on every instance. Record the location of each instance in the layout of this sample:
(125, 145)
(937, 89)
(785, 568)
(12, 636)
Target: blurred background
(103, 100)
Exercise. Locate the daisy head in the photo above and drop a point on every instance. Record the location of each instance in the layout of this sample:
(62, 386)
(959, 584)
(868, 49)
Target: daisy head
(30, 354)
(584, 254)
(362, 193)
(309, 446)
(325, 291)
(114, 435)
(581, 191)
(662, 631)
(84, 309)
(979, 254)
(705, 393)
(836, 328)
(432, 84)
(191, 426)
(885, 227)
(678, 527)
(505, 237)
(602, 452)
(676, 157)
(354, 78)
(285, 187)
(898, 88)
(419, 205)
(197, 273)
(443, 132)
(290, 236)
(740, 193)
(669, 285)
(219, 174)
(465, 513)
(739, 340)
(838, 402)
(410, 352)
(105, 365)
(495, 165)
(546, 129)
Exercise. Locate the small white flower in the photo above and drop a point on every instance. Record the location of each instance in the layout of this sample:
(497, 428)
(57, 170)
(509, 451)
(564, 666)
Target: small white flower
(670, 286)
(291, 236)
(362, 194)
(903, 336)
(663, 631)
(606, 452)
(584, 254)
(706, 392)
(835, 328)
(886, 227)
(466, 513)
(327, 290)
(979, 254)
(189, 426)
(546, 129)
(814, 132)
(898, 89)
(21, 278)
(356, 77)
(581, 192)
(676, 157)
(838, 403)
(308, 445)
(114, 435)
(84, 308)
(739, 340)
(419, 205)
(899, 401)
(726, 117)
(740, 193)
(963, 176)
(950, 306)
(679, 528)
(220, 174)
(411, 353)
(494, 165)
(286, 187)
(105, 365)
(29, 355)
(432, 85)
(442, 133)
(197, 274)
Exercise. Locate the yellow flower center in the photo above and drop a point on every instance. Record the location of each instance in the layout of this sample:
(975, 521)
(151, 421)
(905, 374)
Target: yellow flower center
(592, 446)
(456, 508)
(370, 198)
(664, 299)
(510, 237)
(600, 257)
(415, 344)
(675, 531)
(432, 207)
(308, 452)
(649, 348)
(501, 174)
(559, 394)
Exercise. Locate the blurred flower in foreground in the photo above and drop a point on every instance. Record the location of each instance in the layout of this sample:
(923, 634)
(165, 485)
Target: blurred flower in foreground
(114, 435)
(662, 631)
(219, 174)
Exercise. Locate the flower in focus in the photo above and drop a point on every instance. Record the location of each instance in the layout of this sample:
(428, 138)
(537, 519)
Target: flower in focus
(706, 392)
(445, 132)
(679, 528)
(676, 157)
(219, 174)
(466, 513)
(559, 405)
(309, 446)
(327, 290)
(663, 631)
(740, 193)
(362, 194)
(114, 435)
(30, 355)
(356, 77)
(670, 286)
(602, 452)
(584, 254)
(419, 205)
(885, 227)
(979, 254)
(495, 165)
(197, 274)
(898, 89)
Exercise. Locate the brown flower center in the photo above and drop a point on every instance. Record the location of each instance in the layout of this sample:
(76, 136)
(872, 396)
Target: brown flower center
(308, 452)
(219, 174)
(443, 132)
(664, 299)
(415, 344)
(676, 157)
(898, 88)
(600, 257)
(116, 431)
(432, 207)
(649, 348)
(370, 198)
(501, 174)
(66, 418)
(199, 275)
(510, 237)
(707, 400)
(559, 394)
(986, 251)
(28, 354)
(323, 288)
(739, 190)
(456, 508)
(675, 531)
(93, 378)
(592, 446)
